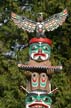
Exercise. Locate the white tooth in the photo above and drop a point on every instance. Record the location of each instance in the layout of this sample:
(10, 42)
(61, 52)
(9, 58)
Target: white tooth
(35, 106)
(39, 106)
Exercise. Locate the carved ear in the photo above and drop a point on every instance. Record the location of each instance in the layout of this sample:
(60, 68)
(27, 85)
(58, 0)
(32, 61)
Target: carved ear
(24, 89)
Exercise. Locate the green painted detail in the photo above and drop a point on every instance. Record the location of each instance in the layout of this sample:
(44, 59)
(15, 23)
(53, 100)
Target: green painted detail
(43, 84)
(44, 47)
(35, 46)
(34, 84)
(44, 98)
(18, 17)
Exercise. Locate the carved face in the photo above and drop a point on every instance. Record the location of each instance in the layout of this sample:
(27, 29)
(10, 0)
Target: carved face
(38, 99)
(39, 51)
(39, 81)
(35, 79)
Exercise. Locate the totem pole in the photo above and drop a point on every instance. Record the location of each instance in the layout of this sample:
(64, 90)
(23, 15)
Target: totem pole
(39, 67)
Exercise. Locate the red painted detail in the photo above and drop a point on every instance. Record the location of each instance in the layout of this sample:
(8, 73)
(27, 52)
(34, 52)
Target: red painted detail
(65, 11)
(34, 80)
(40, 51)
(38, 104)
(40, 30)
(38, 101)
(44, 40)
(36, 107)
(37, 54)
(43, 80)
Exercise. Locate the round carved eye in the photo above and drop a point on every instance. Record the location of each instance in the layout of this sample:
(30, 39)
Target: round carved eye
(31, 98)
(46, 48)
(33, 47)
(45, 99)
(43, 75)
(34, 75)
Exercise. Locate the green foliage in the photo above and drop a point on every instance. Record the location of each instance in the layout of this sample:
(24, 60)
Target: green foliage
(11, 77)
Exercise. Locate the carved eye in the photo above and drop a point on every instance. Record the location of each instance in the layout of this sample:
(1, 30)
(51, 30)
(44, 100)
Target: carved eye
(45, 99)
(45, 48)
(34, 47)
(43, 75)
(31, 98)
(34, 75)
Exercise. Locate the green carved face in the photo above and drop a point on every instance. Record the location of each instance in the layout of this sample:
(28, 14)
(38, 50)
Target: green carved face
(39, 51)
(38, 100)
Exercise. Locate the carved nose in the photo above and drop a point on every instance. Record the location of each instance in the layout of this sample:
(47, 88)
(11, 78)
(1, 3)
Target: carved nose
(39, 51)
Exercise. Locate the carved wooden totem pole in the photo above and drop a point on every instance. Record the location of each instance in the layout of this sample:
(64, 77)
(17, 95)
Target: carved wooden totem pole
(39, 67)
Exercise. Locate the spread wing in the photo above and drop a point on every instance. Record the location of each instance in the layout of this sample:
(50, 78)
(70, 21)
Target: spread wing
(23, 22)
(56, 20)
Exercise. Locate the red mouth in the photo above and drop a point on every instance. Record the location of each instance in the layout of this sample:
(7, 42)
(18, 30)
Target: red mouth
(38, 105)
(39, 54)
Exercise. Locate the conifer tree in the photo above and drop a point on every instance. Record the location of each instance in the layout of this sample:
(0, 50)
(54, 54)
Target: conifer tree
(10, 76)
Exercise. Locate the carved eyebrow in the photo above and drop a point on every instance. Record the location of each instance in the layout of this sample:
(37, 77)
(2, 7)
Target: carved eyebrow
(32, 94)
(36, 44)
(44, 43)
(43, 94)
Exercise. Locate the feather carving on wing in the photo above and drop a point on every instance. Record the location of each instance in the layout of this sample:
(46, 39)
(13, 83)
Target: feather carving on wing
(23, 22)
(55, 21)
(50, 24)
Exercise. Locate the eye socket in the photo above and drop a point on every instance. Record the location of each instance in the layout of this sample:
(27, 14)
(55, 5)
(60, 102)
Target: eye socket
(43, 75)
(33, 47)
(45, 48)
(34, 75)
(31, 98)
(45, 99)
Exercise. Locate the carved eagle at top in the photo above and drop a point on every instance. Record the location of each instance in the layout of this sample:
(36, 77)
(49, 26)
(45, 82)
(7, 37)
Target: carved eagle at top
(49, 24)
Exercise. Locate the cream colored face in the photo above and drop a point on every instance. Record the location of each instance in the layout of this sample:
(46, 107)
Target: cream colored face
(39, 51)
